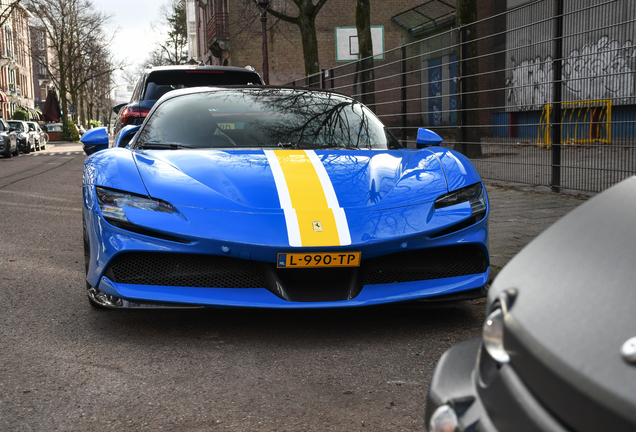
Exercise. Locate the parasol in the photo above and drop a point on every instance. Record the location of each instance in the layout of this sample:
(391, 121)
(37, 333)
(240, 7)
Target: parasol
(51, 111)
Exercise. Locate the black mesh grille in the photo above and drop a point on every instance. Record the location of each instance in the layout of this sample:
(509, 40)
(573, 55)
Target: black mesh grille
(168, 269)
(424, 264)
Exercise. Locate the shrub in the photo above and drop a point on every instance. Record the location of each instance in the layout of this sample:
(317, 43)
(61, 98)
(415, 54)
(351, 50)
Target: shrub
(70, 132)
(94, 123)
(20, 114)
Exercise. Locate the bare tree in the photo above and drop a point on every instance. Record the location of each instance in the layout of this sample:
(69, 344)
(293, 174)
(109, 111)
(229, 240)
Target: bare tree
(306, 22)
(156, 57)
(365, 48)
(5, 14)
(174, 48)
(470, 145)
(80, 49)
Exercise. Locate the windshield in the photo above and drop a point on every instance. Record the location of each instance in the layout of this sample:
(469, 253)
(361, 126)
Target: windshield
(17, 126)
(264, 118)
(162, 82)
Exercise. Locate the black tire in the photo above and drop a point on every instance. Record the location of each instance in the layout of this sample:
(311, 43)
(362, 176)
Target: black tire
(8, 154)
(17, 151)
(28, 149)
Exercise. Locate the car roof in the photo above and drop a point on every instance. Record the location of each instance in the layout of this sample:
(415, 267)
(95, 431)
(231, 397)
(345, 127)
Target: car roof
(204, 89)
(195, 67)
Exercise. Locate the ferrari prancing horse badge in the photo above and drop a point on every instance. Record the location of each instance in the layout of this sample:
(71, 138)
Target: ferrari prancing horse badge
(317, 226)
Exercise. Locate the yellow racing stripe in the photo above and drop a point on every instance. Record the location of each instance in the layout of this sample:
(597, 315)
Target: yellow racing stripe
(309, 200)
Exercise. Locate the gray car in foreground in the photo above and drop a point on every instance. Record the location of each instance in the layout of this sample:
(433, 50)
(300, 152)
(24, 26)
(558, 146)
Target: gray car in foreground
(558, 351)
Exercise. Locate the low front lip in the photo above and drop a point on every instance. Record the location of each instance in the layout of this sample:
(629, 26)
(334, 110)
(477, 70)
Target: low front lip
(370, 295)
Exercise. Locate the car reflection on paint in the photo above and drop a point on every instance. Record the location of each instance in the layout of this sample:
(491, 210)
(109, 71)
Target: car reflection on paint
(277, 198)
(558, 351)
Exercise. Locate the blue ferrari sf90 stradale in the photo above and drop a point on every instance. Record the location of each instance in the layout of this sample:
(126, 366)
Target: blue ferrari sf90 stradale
(278, 198)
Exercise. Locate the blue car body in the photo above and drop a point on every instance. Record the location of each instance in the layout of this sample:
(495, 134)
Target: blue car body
(230, 209)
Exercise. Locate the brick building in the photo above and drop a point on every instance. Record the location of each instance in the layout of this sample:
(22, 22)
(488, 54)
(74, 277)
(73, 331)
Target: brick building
(16, 79)
(41, 57)
(230, 33)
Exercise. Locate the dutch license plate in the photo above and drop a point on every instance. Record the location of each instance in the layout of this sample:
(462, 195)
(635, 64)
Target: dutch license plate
(306, 260)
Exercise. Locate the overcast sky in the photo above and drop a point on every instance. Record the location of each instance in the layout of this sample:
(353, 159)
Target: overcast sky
(130, 21)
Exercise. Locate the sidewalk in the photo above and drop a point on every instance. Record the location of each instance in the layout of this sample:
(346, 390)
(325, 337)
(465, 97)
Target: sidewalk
(62, 146)
(520, 213)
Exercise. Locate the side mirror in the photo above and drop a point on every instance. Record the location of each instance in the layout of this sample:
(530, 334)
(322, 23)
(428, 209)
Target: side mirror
(95, 140)
(125, 135)
(12, 129)
(427, 138)
(116, 108)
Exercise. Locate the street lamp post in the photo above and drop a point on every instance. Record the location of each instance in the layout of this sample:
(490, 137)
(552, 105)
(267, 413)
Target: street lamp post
(264, 4)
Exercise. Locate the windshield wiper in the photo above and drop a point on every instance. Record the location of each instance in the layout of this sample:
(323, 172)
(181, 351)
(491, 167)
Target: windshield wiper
(160, 146)
(300, 145)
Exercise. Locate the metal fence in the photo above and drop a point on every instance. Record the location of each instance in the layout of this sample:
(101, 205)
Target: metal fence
(542, 94)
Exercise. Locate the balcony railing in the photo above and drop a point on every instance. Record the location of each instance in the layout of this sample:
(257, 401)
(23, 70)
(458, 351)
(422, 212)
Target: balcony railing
(218, 27)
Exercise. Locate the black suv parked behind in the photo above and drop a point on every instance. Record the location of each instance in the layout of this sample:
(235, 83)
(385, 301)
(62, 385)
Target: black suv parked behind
(157, 81)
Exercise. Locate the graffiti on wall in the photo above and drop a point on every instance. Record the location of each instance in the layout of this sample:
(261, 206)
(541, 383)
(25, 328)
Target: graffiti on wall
(529, 88)
(601, 70)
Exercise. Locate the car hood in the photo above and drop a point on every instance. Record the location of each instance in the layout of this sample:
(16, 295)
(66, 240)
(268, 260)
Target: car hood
(250, 180)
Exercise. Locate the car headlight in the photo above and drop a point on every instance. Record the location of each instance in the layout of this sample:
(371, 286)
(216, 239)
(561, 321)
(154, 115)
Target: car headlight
(112, 203)
(444, 419)
(21, 135)
(473, 193)
(493, 336)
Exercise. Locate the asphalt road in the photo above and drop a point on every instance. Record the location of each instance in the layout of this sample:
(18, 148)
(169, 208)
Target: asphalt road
(66, 366)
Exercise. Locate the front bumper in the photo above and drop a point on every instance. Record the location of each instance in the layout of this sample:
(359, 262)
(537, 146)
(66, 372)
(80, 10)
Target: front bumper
(111, 246)
(486, 397)
(25, 145)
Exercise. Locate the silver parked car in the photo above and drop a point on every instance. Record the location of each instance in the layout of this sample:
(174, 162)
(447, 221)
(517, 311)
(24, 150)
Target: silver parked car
(8, 140)
(26, 138)
(40, 136)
